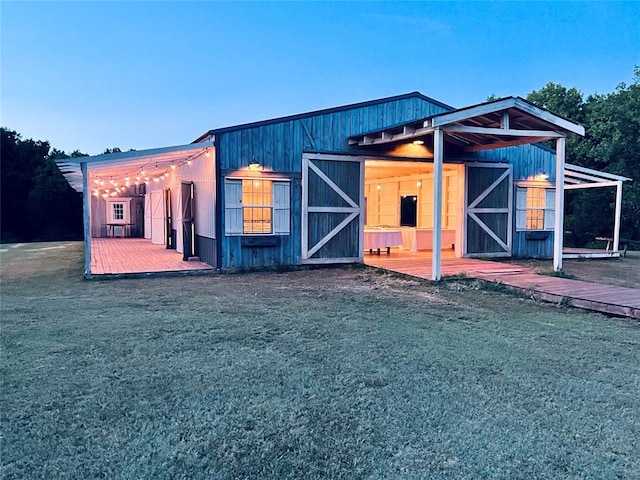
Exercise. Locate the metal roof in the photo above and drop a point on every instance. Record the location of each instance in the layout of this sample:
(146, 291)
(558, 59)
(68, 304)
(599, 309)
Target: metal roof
(325, 111)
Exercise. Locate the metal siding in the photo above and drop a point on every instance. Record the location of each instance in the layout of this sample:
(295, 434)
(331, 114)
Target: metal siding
(202, 173)
(206, 248)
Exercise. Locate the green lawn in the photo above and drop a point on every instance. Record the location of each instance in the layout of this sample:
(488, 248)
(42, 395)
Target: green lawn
(333, 373)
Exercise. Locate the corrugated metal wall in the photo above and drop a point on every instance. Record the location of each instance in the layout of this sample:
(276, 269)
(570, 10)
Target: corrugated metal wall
(202, 173)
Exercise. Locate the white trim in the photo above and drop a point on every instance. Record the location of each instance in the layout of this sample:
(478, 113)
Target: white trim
(438, 160)
(469, 211)
(490, 189)
(578, 186)
(446, 118)
(329, 236)
(610, 176)
(558, 231)
(491, 233)
(333, 186)
(353, 209)
(503, 131)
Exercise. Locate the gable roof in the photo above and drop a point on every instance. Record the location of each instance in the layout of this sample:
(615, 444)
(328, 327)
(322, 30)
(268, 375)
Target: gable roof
(499, 123)
(324, 111)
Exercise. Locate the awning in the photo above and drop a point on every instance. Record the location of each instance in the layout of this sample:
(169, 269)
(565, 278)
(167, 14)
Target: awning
(153, 162)
(501, 123)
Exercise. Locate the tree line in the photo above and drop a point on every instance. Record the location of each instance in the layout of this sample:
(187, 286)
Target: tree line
(611, 144)
(37, 203)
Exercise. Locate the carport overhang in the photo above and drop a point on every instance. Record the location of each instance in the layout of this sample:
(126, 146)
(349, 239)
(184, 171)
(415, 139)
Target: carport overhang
(123, 168)
(501, 123)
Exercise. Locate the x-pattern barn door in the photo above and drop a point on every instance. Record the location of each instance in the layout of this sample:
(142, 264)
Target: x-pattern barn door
(332, 200)
(488, 200)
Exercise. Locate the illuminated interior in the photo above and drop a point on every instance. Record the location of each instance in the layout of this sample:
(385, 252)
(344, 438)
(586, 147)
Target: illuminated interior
(392, 186)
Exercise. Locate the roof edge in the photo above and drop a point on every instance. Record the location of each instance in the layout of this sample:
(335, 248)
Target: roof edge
(324, 111)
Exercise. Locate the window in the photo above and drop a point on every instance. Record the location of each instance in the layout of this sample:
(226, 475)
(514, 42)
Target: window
(118, 211)
(535, 208)
(257, 207)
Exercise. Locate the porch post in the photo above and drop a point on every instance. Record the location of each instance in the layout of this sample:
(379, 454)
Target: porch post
(616, 228)
(438, 153)
(558, 232)
(86, 218)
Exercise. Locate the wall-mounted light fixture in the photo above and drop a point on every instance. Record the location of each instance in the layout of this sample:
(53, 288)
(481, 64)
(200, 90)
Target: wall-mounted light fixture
(254, 164)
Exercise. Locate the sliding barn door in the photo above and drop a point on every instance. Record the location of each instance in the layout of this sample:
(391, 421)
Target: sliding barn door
(488, 200)
(332, 209)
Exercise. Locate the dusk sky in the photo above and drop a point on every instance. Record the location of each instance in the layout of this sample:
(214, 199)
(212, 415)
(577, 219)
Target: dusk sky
(89, 76)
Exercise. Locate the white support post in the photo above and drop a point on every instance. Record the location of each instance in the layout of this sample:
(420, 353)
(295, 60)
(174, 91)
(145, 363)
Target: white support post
(86, 218)
(616, 228)
(438, 154)
(558, 231)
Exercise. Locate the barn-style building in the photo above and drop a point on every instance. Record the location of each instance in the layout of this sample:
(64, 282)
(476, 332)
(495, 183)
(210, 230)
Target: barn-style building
(335, 185)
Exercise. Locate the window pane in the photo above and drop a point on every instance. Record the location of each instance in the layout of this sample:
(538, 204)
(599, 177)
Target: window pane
(257, 219)
(118, 211)
(257, 201)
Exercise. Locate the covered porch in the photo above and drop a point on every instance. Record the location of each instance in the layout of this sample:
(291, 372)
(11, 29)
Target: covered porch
(117, 256)
(480, 136)
(137, 196)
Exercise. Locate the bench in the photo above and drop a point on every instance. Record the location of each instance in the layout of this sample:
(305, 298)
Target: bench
(624, 243)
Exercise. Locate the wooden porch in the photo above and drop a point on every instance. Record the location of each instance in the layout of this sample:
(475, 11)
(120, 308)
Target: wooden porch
(116, 256)
(597, 297)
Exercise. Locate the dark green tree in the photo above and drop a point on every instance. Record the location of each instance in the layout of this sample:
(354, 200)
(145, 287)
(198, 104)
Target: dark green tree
(37, 201)
(611, 144)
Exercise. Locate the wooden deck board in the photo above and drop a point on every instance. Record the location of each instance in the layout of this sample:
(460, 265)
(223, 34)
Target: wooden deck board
(113, 256)
(608, 299)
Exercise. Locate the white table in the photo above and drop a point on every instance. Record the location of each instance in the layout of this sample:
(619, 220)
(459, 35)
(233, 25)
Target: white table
(415, 239)
(377, 239)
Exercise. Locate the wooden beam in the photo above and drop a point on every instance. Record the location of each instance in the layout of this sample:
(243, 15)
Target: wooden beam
(578, 186)
(511, 143)
(86, 219)
(438, 160)
(549, 117)
(616, 228)
(598, 173)
(474, 111)
(504, 104)
(504, 121)
(558, 229)
(510, 132)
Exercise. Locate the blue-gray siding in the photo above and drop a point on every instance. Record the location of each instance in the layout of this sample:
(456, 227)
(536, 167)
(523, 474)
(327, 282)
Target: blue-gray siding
(279, 146)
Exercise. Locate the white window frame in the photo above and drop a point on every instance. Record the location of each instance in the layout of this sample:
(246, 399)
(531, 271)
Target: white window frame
(280, 206)
(522, 208)
(126, 210)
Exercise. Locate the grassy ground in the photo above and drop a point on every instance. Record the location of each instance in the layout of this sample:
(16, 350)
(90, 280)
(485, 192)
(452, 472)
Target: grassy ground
(336, 373)
(621, 272)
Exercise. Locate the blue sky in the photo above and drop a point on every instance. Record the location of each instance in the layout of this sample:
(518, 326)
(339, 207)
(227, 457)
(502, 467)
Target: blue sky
(89, 75)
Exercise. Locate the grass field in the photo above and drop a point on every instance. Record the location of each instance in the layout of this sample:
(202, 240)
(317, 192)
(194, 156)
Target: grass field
(336, 373)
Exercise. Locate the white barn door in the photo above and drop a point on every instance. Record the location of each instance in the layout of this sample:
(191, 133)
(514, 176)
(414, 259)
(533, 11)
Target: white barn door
(157, 218)
(332, 209)
(147, 216)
